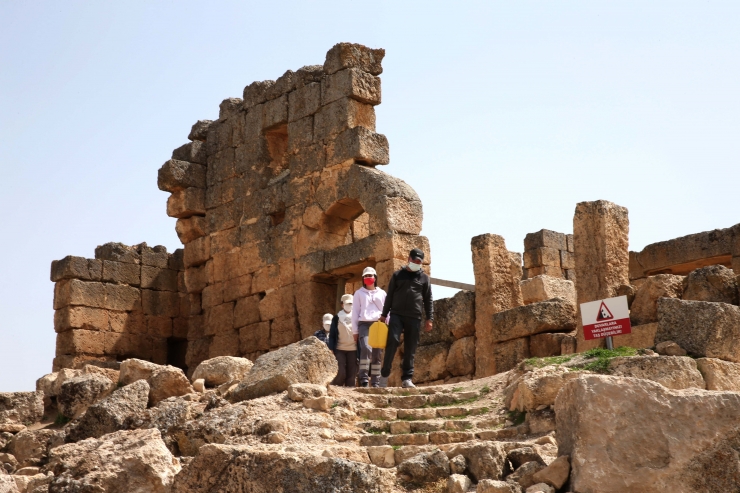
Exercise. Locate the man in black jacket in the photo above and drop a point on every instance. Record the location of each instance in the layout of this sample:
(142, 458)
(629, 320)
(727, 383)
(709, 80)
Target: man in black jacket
(409, 291)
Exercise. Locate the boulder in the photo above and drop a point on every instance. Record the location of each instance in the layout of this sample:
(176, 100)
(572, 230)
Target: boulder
(36, 483)
(214, 426)
(426, 467)
(458, 483)
(78, 393)
(164, 381)
(21, 407)
(461, 357)
(627, 434)
(525, 473)
(540, 488)
(555, 474)
(555, 315)
(520, 456)
(112, 413)
(700, 327)
(455, 315)
(543, 288)
(669, 348)
(494, 486)
(134, 369)
(712, 283)
(222, 369)
(458, 464)
(644, 309)
(486, 460)
(168, 415)
(231, 468)
(319, 403)
(306, 361)
(431, 362)
(382, 456)
(7, 484)
(541, 420)
(673, 372)
(121, 462)
(31, 448)
(719, 375)
(538, 388)
(299, 391)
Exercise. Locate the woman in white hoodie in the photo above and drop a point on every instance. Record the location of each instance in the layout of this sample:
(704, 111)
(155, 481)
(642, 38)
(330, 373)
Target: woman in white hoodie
(366, 309)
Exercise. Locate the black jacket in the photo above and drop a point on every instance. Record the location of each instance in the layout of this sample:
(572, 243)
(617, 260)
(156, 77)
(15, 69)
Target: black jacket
(321, 335)
(333, 333)
(408, 293)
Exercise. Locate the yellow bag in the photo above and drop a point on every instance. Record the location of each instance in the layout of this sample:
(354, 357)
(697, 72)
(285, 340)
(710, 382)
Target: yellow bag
(378, 335)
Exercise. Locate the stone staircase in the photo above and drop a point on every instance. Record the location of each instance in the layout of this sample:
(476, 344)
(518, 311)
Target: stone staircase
(401, 423)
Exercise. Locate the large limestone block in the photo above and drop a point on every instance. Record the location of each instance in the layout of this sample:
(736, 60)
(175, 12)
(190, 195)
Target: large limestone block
(31, 448)
(642, 336)
(505, 356)
(538, 388)
(232, 469)
(496, 289)
(600, 237)
(542, 288)
(431, 362)
(719, 375)
(112, 413)
(626, 435)
(555, 315)
(702, 328)
(456, 315)
(546, 344)
(21, 407)
(426, 467)
(306, 361)
(486, 460)
(222, 369)
(644, 309)
(71, 267)
(461, 357)
(7, 483)
(78, 393)
(712, 283)
(352, 55)
(121, 462)
(682, 255)
(164, 381)
(672, 372)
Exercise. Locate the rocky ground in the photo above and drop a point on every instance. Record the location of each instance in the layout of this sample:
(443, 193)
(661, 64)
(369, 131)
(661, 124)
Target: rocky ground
(596, 422)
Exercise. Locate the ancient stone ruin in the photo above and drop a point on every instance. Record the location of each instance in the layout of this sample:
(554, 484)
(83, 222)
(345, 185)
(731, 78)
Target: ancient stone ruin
(280, 205)
(195, 371)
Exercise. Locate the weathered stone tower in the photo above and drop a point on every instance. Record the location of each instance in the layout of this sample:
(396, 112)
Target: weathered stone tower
(280, 207)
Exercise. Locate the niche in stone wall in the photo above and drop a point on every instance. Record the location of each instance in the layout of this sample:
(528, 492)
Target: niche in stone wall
(277, 146)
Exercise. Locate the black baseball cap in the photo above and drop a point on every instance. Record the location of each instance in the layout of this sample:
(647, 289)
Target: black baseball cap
(416, 254)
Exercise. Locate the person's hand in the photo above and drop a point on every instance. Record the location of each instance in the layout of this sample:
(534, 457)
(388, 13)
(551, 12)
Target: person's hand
(428, 326)
(356, 336)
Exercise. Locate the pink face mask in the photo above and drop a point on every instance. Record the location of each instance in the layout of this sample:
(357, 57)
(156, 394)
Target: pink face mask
(368, 281)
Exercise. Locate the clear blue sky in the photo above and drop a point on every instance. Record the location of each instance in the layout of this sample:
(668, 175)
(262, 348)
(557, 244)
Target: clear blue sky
(502, 116)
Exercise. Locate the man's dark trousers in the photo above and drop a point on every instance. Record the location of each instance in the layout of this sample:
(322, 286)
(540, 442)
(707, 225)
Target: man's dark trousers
(409, 327)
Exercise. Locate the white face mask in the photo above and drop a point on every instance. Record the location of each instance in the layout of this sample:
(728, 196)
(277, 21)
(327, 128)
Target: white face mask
(414, 267)
(327, 327)
(347, 307)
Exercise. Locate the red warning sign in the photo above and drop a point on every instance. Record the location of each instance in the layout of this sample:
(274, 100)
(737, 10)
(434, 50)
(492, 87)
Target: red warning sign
(604, 318)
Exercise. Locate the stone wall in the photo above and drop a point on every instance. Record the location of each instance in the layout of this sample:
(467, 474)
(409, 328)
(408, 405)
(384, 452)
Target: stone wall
(680, 256)
(126, 302)
(280, 208)
(549, 253)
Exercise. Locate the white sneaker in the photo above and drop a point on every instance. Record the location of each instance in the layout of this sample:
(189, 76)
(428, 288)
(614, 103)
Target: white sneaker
(383, 382)
(408, 384)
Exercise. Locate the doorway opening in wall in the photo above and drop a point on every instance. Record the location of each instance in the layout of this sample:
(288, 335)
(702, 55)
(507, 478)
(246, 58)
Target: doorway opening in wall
(177, 349)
